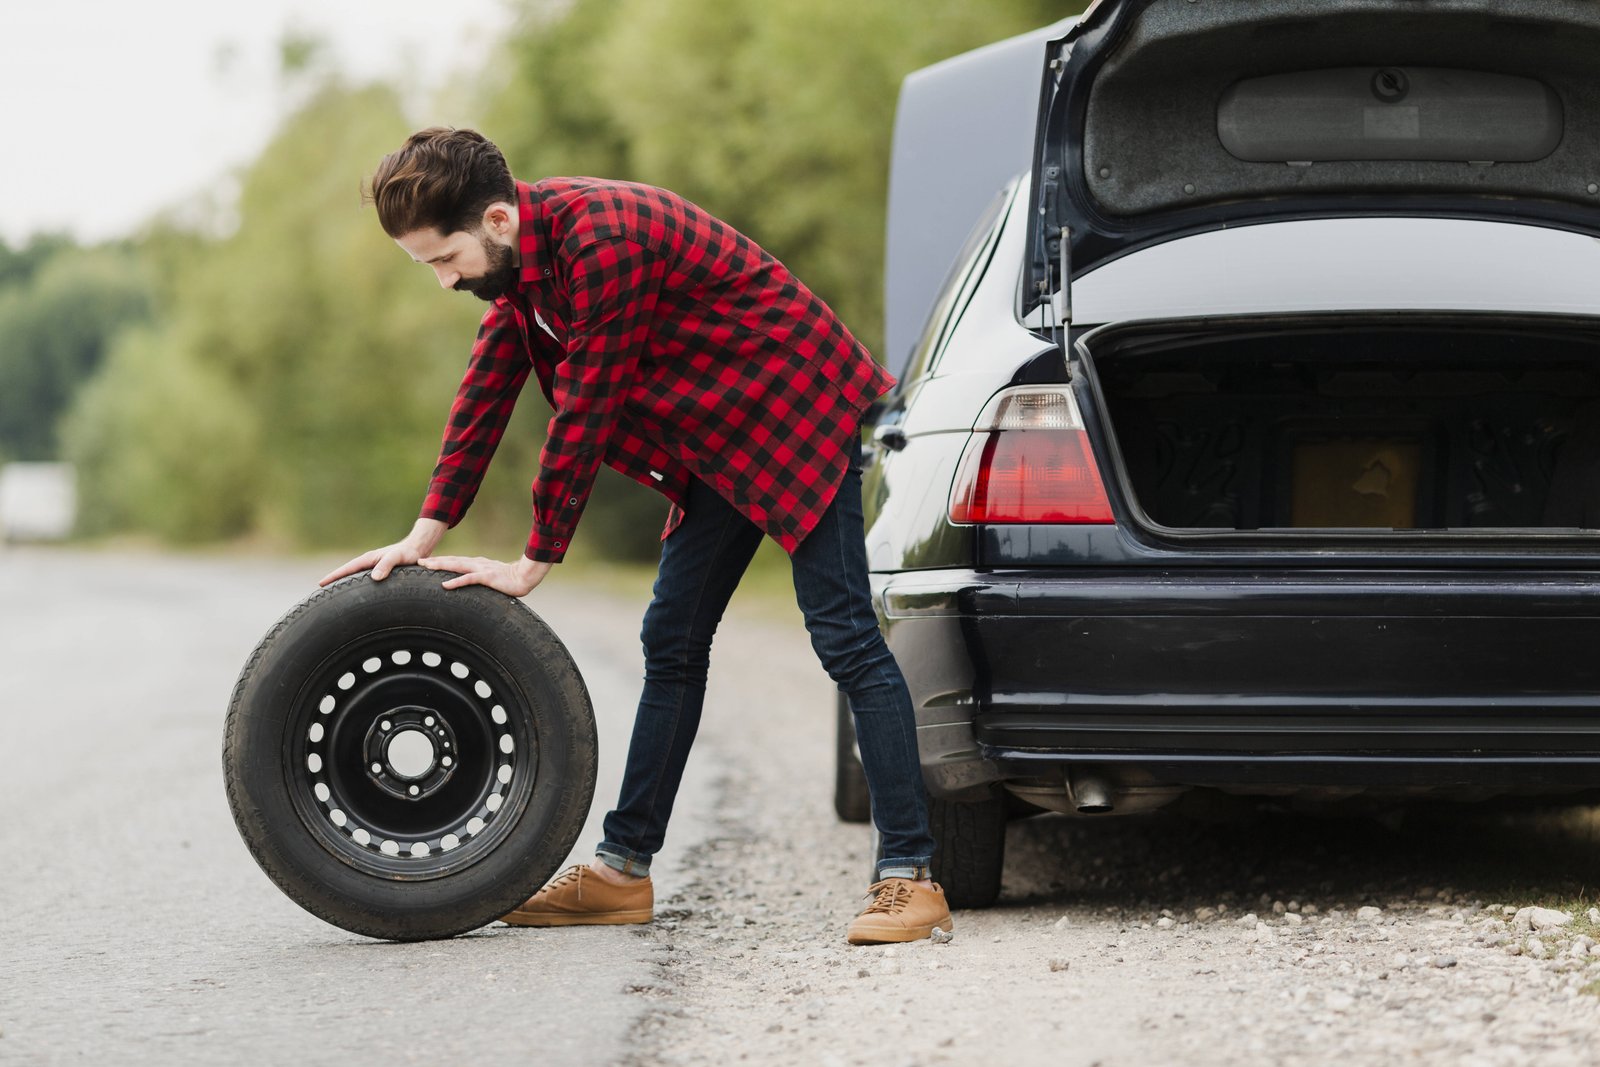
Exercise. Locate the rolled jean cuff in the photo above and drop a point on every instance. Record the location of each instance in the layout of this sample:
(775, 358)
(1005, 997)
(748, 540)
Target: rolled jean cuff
(916, 868)
(621, 859)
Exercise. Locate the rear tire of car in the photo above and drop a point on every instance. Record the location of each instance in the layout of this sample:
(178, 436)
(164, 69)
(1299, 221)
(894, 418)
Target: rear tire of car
(969, 849)
(851, 800)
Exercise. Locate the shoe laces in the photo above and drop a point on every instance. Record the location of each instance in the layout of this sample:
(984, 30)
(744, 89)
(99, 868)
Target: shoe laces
(889, 896)
(571, 874)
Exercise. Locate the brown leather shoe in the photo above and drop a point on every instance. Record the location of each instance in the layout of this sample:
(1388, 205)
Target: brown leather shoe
(901, 910)
(579, 897)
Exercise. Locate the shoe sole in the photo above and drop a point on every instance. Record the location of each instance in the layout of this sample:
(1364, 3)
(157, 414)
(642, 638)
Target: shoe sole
(609, 918)
(891, 937)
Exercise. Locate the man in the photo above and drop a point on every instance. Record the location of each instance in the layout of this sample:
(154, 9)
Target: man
(673, 348)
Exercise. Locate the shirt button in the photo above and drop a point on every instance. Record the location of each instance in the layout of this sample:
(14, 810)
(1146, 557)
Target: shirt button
(573, 501)
(558, 544)
(547, 272)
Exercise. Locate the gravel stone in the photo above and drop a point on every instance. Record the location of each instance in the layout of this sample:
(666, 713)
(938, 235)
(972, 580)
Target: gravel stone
(1369, 913)
(1539, 919)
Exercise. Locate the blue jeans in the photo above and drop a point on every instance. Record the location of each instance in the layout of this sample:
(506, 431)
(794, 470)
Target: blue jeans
(701, 564)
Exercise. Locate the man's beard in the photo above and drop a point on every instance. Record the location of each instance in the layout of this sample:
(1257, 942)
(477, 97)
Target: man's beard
(498, 279)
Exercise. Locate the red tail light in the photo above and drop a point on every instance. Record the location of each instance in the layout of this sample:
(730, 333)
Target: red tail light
(1029, 460)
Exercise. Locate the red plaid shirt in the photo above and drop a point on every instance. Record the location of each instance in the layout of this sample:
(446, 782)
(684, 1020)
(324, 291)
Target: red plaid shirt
(672, 347)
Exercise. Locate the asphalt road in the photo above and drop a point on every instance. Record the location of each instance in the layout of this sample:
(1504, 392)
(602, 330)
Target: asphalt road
(135, 927)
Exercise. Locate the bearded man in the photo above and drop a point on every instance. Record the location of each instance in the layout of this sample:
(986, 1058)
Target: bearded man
(674, 349)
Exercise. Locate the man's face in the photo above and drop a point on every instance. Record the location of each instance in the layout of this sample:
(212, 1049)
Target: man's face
(467, 261)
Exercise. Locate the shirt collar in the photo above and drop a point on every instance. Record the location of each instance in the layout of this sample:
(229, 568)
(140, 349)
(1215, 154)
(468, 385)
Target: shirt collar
(533, 236)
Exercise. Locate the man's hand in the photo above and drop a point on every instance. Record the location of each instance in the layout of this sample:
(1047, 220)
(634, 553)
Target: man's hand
(513, 579)
(380, 561)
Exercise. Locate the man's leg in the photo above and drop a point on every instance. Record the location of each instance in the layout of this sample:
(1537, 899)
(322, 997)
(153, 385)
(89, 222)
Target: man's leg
(701, 564)
(830, 581)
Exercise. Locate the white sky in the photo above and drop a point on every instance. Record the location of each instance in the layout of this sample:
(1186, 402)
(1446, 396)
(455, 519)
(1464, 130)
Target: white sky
(93, 93)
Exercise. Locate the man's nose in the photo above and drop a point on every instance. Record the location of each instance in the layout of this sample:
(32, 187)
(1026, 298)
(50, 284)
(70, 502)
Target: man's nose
(447, 278)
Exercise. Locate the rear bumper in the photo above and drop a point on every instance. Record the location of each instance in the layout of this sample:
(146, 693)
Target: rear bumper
(1254, 678)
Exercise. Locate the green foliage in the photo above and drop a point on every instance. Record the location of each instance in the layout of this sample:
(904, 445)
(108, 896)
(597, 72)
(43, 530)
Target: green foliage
(300, 368)
(19, 264)
(546, 109)
(165, 444)
(57, 320)
(315, 358)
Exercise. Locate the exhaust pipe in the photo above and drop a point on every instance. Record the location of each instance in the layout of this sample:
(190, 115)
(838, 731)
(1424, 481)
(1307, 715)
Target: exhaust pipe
(1091, 795)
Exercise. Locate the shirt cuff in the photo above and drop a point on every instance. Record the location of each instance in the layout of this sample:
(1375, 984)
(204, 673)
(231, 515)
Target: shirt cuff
(545, 547)
(445, 515)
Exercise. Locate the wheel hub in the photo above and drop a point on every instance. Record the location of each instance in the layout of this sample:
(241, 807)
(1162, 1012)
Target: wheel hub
(410, 752)
(406, 756)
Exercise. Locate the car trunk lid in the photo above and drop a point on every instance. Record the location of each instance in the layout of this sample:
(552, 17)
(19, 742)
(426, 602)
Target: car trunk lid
(1163, 118)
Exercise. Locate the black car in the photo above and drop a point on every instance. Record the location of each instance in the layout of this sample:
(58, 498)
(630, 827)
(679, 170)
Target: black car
(1252, 440)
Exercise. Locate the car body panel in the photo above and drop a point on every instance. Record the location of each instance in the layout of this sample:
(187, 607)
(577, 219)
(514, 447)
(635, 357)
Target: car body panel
(1350, 667)
(963, 127)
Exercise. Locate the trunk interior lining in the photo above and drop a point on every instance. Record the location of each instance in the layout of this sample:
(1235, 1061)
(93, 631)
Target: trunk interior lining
(1410, 429)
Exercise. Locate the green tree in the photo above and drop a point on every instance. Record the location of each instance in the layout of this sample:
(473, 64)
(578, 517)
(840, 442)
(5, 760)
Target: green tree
(164, 444)
(328, 354)
(17, 265)
(57, 321)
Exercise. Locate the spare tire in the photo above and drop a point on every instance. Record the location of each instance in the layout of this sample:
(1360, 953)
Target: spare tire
(409, 762)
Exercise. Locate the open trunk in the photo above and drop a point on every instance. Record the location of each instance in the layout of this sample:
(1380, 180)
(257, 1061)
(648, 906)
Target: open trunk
(1468, 424)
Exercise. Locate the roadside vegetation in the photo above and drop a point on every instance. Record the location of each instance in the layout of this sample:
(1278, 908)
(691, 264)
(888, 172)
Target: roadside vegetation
(264, 364)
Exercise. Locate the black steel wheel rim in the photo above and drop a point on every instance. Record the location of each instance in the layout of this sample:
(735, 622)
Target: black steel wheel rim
(410, 753)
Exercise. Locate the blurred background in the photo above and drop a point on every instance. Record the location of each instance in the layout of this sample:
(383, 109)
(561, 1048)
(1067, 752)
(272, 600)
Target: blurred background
(203, 330)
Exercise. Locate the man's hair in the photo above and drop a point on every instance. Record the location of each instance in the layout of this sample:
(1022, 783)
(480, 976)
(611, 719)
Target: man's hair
(441, 178)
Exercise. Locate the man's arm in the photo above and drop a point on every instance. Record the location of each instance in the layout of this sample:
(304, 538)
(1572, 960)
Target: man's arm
(614, 286)
(478, 417)
(479, 414)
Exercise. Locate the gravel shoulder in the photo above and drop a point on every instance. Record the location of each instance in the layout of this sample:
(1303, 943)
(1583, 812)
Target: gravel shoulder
(1225, 935)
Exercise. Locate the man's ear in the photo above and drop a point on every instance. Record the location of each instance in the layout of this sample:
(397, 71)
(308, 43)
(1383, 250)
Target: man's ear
(500, 218)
